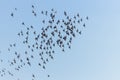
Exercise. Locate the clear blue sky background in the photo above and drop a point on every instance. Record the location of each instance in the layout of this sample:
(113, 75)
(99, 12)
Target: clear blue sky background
(94, 56)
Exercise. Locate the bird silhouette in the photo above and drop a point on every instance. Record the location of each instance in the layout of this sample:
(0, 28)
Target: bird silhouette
(87, 18)
(12, 14)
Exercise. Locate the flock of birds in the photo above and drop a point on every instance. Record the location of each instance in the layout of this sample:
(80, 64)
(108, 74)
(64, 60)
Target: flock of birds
(41, 45)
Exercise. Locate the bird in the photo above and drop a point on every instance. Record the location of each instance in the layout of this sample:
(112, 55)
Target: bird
(16, 9)
(29, 63)
(12, 14)
(52, 9)
(14, 44)
(35, 14)
(31, 27)
(43, 21)
(42, 12)
(65, 13)
(81, 19)
(33, 75)
(46, 13)
(78, 21)
(8, 49)
(10, 45)
(32, 6)
(80, 32)
(33, 11)
(87, 18)
(43, 67)
(32, 56)
(84, 25)
(78, 15)
(48, 75)
(39, 64)
(23, 23)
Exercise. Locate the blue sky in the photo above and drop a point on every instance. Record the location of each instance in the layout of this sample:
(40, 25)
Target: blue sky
(94, 55)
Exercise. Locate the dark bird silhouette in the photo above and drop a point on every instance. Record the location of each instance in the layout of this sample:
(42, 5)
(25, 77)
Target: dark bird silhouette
(48, 75)
(8, 49)
(43, 67)
(46, 13)
(14, 44)
(65, 13)
(42, 12)
(35, 14)
(16, 9)
(81, 19)
(43, 21)
(78, 15)
(87, 18)
(84, 25)
(32, 6)
(23, 23)
(52, 9)
(80, 32)
(12, 14)
(31, 27)
(33, 75)
(33, 11)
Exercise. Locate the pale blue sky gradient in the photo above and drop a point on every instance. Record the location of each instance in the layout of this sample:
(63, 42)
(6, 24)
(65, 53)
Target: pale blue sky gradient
(95, 55)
